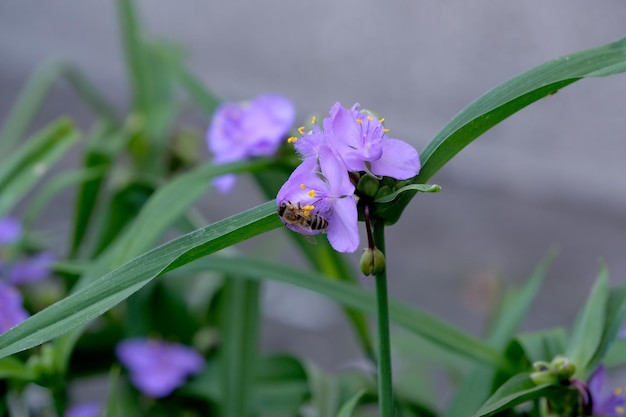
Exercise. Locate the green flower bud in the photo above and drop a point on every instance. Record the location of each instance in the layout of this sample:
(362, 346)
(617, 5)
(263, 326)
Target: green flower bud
(563, 368)
(372, 261)
(368, 185)
(543, 377)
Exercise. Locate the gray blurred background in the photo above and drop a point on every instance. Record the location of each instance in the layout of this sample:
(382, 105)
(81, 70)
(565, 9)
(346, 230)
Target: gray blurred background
(552, 174)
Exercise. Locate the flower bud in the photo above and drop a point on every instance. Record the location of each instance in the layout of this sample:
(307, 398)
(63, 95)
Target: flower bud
(563, 368)
(368, 185)
(372, 261)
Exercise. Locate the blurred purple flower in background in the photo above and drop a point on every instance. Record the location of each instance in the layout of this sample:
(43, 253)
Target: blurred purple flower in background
(157, 367)
(84, 410)
(31, 270)
(242, 130)
(10, 230)
(605, 405)
(11, 311)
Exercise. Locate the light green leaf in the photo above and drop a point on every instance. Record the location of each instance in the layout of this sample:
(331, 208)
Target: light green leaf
(516, 390)
(589, 326)
(22, 169)
(423, 188)
(348, 408)
(13, 368)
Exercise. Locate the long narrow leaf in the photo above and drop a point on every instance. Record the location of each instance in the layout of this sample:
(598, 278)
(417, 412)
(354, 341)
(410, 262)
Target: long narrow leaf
(507, 99)
(413, 320)
(94, 299)
(26, 166)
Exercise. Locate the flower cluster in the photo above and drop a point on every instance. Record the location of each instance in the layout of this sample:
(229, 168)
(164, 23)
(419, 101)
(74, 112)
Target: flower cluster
(242, 130)
(157, 367)
(17, 272)
(350, 144)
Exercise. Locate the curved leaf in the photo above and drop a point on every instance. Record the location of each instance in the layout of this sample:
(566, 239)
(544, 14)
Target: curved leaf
(94, 299)
(507, 99)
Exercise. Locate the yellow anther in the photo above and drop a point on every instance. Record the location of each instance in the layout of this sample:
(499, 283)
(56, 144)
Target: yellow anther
(381, 120)
(292, 139)
(308, 207)
(370, 118)
(313, 120)
(385, 130)
(618, 391)
(311, 193)
(302, 186)
(359, 121)
(301, 130)
(620, 410)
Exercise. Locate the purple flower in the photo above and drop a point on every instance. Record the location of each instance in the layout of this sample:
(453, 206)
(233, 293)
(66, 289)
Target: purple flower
(242, 130)
(11, 311)
(33, 269)
(157, 367)
(10, 230)
(84, 410)
(361, 140)
(321, 186)
(605, 405)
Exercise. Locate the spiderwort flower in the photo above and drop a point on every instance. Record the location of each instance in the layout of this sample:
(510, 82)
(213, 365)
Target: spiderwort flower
(611, 405)
(31, 270)
(11, 311)
(157, 367)
(350, 143)
(322, 187)
(242, 130)
(90, 409)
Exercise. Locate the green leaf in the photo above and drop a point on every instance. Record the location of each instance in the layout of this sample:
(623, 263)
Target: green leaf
(516, 390)
(325, 391)
(22, 169)
(589, 326)
(507, 99)
(423, 188)
(13, 368)
(543, 345)
(92, 300)
(348, 408)
(415, 321)
(240, 329)
(513, 308)
(614, 321)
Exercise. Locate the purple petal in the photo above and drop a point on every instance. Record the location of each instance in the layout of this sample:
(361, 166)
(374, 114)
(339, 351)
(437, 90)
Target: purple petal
(224, 183)
(11, 311)
(336, 173)
(343, 232)
(399, 160)
(84, 410)
(157, 367)
(10, 230)
(34, 269)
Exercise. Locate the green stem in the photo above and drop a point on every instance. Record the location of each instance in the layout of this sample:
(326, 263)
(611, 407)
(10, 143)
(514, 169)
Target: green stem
(385, 394)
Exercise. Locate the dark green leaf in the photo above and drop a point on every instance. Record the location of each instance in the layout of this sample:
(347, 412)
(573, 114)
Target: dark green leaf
(505, 100)
(93, 299)
(418, 322)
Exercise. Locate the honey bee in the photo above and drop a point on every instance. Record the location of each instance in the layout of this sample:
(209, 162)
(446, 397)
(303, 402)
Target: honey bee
(302, 216)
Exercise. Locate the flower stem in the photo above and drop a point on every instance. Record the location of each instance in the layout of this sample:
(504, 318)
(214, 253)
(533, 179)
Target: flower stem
(385, 393)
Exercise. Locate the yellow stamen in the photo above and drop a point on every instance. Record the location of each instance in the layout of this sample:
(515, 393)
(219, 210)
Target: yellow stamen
(292, 139)
(385, 130)
(618, 391)
(359, 121)
(308, 207)
(381, 120)
(306, 213)
(370, 118)
(301, 130)
(620, 410)
(302, 186)
(311, 193)
(313, 120)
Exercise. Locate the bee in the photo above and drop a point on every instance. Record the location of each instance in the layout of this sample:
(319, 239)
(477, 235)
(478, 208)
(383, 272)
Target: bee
(302, 216)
